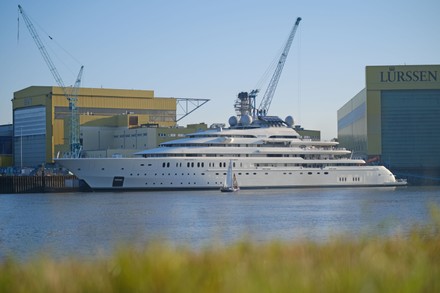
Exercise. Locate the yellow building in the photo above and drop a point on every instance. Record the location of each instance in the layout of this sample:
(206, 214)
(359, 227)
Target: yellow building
(395, 120)
(41, 117)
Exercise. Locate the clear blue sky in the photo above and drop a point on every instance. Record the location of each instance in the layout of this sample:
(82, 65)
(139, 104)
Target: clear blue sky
(215, 49)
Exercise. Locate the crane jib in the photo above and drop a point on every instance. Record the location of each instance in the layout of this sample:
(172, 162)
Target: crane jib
(72, 97)
(270, 91)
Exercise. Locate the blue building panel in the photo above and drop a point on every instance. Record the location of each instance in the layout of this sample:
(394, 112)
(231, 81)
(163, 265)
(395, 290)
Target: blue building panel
(411, 128)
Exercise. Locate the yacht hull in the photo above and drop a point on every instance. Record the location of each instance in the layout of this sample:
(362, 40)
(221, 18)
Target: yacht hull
(201, 173)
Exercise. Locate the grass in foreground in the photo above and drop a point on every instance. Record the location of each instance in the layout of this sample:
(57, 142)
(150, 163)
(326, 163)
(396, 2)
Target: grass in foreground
(408, 263)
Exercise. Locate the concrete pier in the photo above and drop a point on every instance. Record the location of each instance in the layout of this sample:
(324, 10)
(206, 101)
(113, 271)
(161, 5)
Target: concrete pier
(38, 184)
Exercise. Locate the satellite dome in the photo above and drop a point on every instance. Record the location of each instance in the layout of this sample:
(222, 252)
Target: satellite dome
(246, 120)
(289, 120)
(233, 121)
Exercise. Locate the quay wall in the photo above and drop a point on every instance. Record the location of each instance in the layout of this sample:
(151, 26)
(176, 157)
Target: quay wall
(39, 184)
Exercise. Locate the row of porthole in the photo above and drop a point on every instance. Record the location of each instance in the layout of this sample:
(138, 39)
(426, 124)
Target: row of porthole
(202, 164)
(193, 164)
(181, 183)
(311, 173)
(240, 174)
(169, 174)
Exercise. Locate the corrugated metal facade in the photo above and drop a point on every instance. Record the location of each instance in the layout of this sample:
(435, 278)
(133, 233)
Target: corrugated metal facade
(30, 135)
(410, 128)
(101, 107)
(352, 124)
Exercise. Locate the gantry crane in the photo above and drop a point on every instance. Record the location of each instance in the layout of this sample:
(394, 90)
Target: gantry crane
(71, 94)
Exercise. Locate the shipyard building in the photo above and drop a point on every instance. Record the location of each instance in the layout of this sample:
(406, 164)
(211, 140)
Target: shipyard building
(41, 117)
(395, 121)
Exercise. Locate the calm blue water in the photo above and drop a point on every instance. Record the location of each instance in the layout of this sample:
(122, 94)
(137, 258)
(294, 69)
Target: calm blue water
(83, 224)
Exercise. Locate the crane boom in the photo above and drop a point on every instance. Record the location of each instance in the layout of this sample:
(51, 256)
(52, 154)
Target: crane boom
(42, 49)
(270, 91)
(72, 97)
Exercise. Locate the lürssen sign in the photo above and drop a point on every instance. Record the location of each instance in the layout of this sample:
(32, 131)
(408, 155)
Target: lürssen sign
(408, 76)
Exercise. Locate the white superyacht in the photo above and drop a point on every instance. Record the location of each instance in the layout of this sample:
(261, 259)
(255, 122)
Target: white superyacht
(265, 152)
